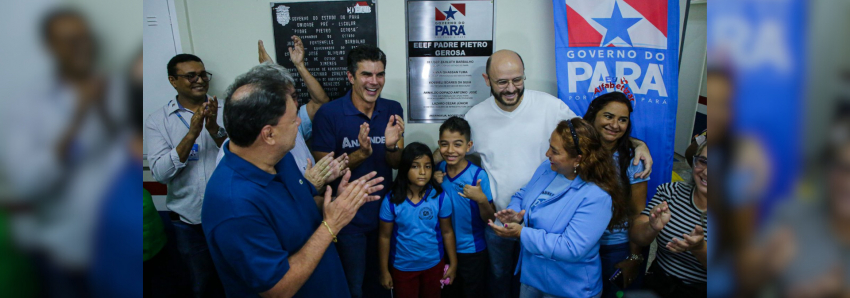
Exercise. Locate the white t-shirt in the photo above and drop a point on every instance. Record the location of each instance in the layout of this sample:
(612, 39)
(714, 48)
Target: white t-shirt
(513, 144)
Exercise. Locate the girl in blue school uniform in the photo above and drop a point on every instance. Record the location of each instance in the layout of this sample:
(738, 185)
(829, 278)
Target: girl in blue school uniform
(416, 229)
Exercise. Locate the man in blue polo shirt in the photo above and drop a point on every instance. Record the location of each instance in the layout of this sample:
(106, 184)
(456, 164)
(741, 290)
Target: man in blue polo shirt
(265, 234)
(370, 129)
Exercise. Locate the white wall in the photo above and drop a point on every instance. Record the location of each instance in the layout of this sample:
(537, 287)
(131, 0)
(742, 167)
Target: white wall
(691, 75)
(224, 34)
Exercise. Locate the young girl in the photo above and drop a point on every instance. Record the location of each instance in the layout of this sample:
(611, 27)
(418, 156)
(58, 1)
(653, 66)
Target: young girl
(415, 225)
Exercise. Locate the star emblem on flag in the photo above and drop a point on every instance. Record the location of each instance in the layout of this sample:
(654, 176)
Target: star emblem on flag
(450, 14)
(617, 26)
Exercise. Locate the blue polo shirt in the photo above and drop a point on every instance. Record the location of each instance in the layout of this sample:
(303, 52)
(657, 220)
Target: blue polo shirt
(466, 216)
(254, 221)
(417, 241)
(335, 129)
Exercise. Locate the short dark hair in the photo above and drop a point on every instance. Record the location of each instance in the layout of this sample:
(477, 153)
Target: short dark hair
(487, 68)
(180, 58)
(457, 124)
(364, 53)
(246, 116)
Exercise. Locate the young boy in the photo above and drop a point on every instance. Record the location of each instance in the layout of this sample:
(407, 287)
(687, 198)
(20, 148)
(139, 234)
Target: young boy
(468, 188)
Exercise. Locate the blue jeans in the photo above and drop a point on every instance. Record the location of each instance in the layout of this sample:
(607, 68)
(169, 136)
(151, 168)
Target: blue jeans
(610, 256)
(359, 255)
(527, 291)
(503, 261)
(192, 245)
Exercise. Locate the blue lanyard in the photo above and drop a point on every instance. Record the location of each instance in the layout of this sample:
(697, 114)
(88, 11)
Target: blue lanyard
(180, 107)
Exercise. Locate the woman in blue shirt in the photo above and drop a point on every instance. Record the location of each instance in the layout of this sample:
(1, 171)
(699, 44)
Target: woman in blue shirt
(563, 211)
(610, 114)
(416, 229)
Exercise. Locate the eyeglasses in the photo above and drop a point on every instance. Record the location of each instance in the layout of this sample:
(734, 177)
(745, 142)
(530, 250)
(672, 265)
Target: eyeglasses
(518, 81)
(700, 162)
(206, 76)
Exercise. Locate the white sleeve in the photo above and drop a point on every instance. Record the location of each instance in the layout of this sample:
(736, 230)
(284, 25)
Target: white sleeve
(564, 111)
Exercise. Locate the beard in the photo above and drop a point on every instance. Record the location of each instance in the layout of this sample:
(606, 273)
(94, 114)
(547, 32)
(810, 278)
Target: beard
(498, 96)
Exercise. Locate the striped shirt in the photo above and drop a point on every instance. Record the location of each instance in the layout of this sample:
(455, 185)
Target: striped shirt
(684, 217)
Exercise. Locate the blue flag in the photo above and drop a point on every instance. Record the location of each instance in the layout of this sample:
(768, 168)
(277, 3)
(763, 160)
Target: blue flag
(628, 46)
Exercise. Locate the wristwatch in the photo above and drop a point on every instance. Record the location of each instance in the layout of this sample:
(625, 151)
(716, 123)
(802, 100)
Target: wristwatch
(394, 148)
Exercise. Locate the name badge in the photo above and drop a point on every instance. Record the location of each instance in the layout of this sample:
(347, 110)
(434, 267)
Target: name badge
(193, 155)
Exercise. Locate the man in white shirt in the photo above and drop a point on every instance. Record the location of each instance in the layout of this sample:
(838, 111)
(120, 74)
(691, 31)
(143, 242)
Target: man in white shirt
(511, 132)
(183, 139)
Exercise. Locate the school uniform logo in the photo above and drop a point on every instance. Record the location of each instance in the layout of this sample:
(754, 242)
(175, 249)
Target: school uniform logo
(426, 213)
(617, 23)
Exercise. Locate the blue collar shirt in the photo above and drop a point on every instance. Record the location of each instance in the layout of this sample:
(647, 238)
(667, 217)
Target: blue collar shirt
(254, 221)
(336, 127)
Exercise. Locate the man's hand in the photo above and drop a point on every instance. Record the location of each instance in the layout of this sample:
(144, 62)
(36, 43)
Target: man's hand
(263, 55)
(318, 174)
(691, 242)
(438, 176)
(642, 153)
(211, 116)
(296, 53)
(473, 192)
(372, 185)
(394, 131)
(338, 171)
(659, 217)
(510, 216)
(196, 124)
(508, 230)
(339, 212)
(365, 141)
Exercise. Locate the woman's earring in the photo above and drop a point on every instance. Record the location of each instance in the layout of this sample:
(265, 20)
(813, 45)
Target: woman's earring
(575, 170)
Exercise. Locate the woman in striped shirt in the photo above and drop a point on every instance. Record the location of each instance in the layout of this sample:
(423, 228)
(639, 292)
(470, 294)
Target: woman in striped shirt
(676, 220)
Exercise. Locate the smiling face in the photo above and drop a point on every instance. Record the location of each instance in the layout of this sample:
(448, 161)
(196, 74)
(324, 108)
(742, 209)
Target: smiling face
(420, 171)
(195, 89)
(453, 146)
(368, 82)
(562, 162)
(612, 121)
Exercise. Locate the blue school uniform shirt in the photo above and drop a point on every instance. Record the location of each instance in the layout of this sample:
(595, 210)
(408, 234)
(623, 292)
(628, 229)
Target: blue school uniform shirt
(417, 241)
(254, 221)
(336, 127)
(621, 235)
(466, 216)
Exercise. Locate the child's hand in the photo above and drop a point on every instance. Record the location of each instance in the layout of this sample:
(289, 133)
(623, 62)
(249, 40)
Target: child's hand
(438, 176)
(474, 192)
(450, 273)
(386, 280)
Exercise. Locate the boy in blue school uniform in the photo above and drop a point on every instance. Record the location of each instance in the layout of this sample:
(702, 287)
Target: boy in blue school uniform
(467, 186)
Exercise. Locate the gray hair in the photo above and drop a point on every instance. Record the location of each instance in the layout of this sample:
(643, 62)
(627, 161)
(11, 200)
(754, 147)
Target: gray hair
(267, 71)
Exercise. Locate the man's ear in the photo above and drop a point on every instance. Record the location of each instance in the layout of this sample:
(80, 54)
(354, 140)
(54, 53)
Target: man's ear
(486, 79)
(267, 135)
(173, 81)
(350, 77)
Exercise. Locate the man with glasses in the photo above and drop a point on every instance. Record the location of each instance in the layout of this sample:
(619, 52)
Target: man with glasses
(511, 132)
(183, 139)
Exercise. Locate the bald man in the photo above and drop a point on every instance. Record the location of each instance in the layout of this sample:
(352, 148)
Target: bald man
(510, 130)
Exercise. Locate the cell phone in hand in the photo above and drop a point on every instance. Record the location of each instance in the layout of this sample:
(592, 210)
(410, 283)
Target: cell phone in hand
(618, 279)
